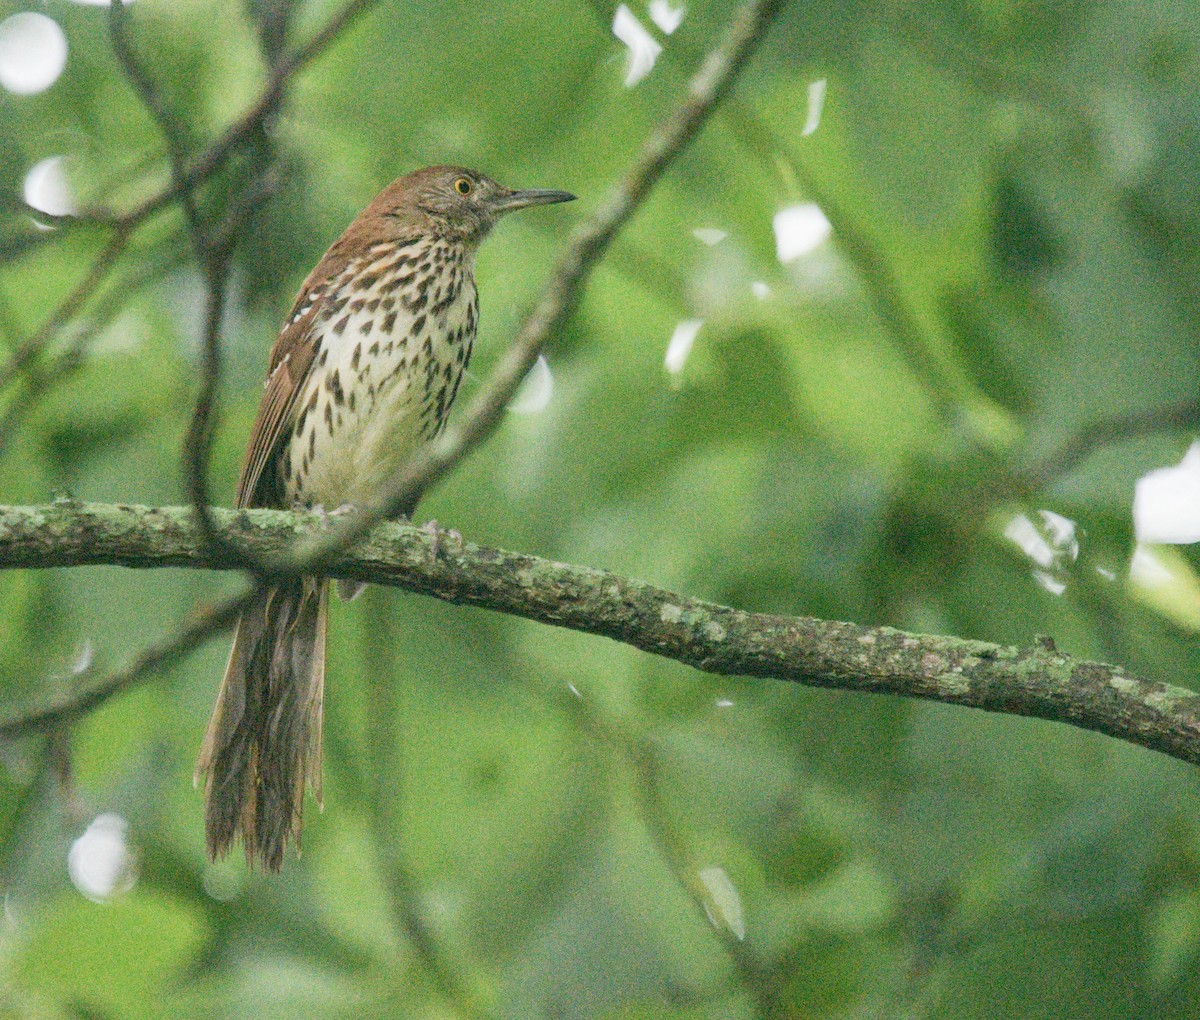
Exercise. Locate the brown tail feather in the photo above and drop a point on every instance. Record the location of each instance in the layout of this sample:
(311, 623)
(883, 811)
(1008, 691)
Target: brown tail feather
(264, 740)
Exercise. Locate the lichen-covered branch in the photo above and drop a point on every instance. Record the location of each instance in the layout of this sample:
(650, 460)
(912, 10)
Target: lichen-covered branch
(1037, 681)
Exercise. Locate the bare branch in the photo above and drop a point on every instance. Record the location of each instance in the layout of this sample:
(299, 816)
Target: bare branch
(212, 252)
(173, 134)
(29, 349)
(245, 127)
(707, 88)
(1039, 682)
(214, 264)
(81, 696)
(1104, 432)
(44, 375)
(197, 443)
(184, 181)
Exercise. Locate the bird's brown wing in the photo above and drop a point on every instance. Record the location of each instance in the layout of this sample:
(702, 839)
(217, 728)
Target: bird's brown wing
(292, 360)
(288, 373)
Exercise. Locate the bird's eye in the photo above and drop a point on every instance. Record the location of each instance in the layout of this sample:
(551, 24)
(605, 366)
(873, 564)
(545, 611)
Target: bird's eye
(463, 186)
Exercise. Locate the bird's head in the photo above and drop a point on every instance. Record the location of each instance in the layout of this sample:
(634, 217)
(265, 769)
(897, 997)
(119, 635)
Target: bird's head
(461, 204)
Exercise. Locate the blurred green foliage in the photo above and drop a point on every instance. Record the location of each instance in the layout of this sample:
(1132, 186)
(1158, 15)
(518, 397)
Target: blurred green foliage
(522, 822)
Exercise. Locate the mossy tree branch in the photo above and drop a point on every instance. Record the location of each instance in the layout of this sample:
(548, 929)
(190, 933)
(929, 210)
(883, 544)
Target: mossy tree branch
(1038, 681)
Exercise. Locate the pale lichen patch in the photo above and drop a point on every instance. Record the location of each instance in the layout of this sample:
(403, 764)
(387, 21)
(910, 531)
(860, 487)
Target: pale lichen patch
(1163, 701)
(954, 684)
(669, 613)
(1123, 685)
(714, 631)
(932, 663)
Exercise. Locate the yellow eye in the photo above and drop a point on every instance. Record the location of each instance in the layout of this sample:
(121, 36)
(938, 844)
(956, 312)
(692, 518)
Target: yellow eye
(463, 186)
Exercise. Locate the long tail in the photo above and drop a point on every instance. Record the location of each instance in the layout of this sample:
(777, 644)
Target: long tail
(264, 740)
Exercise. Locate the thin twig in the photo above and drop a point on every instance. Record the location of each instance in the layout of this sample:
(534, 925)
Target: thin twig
(153, 266)
(214, 157)
(197, 444)
(69, 704)
(214, 265)
(42, 378)
(204, 166)
(29, 349)
(1102, 432)
(173, 134)
(213, 250)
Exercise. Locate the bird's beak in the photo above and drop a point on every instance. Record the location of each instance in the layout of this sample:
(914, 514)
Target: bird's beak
(530, 196)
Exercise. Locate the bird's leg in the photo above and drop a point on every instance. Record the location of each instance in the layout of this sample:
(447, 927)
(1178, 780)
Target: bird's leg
(430, 528)
(347, 591)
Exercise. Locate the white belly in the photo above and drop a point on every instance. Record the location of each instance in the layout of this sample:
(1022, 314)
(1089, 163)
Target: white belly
(381, 386)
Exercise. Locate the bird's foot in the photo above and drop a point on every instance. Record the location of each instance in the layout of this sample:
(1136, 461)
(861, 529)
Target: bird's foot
(436, 535)
(314, 508)
(327, 515)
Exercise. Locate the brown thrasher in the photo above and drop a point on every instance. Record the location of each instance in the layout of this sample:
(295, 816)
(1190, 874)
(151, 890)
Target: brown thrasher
(363, 373)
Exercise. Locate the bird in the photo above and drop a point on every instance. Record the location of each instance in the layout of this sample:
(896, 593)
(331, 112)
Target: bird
(363, 373)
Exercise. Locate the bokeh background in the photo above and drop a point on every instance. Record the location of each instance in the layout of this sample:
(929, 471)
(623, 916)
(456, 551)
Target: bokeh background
(892, 342)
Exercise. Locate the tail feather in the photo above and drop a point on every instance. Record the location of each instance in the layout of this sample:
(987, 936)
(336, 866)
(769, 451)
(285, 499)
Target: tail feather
(264, 741)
